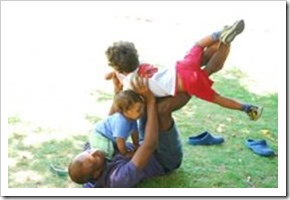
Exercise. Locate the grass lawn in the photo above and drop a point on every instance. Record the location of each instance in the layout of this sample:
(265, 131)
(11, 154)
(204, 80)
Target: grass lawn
(230, 165)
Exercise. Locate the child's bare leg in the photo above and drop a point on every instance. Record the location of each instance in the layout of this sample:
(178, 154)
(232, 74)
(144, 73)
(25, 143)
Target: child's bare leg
(207, 41)
(213, 57)
(209, 52)
(227, 102)
(254, 112)
(218, 59)
(226, 36)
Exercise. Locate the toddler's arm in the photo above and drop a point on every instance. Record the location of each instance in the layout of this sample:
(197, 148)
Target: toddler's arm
(121, 145)
(135, 140)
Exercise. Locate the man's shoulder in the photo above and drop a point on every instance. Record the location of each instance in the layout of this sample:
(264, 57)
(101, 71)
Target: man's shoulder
(111, 175)
(123, 173)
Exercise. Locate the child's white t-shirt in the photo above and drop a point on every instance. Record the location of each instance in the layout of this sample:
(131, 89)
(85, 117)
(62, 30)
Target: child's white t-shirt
(162, 83)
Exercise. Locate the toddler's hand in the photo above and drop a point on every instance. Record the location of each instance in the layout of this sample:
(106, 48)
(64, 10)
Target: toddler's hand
(130, 154)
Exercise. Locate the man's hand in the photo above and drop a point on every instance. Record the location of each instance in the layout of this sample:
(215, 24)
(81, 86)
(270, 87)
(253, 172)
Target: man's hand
(140, 86)
(117, 84)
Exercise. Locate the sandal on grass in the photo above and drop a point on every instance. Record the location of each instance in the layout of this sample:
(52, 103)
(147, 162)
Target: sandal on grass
(260, 147)
(57, 170)
(205, 138)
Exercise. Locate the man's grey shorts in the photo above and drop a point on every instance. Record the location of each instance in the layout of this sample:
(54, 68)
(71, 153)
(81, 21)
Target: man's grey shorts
(169, 150)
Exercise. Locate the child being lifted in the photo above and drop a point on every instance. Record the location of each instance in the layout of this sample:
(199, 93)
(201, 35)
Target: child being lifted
(190, 75)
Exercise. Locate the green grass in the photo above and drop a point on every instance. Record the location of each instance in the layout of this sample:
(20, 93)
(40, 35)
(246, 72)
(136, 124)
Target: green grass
(230, 165)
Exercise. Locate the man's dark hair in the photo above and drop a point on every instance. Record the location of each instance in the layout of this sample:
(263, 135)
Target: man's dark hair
(76, 173)
(123, 56)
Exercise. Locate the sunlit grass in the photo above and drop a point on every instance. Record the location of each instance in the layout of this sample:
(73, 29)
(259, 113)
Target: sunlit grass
(33, 148)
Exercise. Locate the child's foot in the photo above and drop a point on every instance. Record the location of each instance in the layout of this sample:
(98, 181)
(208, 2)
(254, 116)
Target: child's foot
(254, 112)
(230, 32)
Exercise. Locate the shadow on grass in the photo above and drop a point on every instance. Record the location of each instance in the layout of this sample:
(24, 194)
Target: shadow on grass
(230, 165)
(31, 166)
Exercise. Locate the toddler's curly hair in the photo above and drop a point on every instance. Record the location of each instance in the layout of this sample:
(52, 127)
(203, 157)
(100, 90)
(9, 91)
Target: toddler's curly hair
(123, 56)
(125, 99)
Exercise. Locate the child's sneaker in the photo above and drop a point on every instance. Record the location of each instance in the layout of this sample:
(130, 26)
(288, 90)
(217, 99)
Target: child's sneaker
(230, 32)
(254, 112)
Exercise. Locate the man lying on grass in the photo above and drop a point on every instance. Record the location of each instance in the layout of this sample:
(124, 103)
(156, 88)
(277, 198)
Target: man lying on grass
(159, 153)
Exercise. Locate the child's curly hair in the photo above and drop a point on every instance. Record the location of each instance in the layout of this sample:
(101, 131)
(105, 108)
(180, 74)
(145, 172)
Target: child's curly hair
(123, 56)
(125, 99)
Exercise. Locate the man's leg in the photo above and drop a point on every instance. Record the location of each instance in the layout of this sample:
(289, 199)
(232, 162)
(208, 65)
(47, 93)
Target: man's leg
(166, 106)
(169, 150)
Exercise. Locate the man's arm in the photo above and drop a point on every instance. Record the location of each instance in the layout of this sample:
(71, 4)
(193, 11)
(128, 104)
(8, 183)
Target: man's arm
(144, 152)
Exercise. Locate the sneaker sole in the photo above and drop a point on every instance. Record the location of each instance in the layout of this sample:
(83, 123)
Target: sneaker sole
(259, 114)
(237, 29)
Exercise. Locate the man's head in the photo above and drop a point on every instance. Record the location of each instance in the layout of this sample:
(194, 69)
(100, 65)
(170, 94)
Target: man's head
(86, 166)
(129, 103)
(123, 57)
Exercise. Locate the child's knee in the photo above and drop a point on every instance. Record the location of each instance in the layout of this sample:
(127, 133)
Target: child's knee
(216, 98)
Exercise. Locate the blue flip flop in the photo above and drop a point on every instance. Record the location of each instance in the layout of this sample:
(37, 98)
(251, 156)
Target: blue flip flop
(260, 147)
(205, 138)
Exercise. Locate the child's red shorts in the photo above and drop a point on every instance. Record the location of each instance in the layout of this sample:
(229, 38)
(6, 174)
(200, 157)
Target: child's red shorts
(195, 81)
